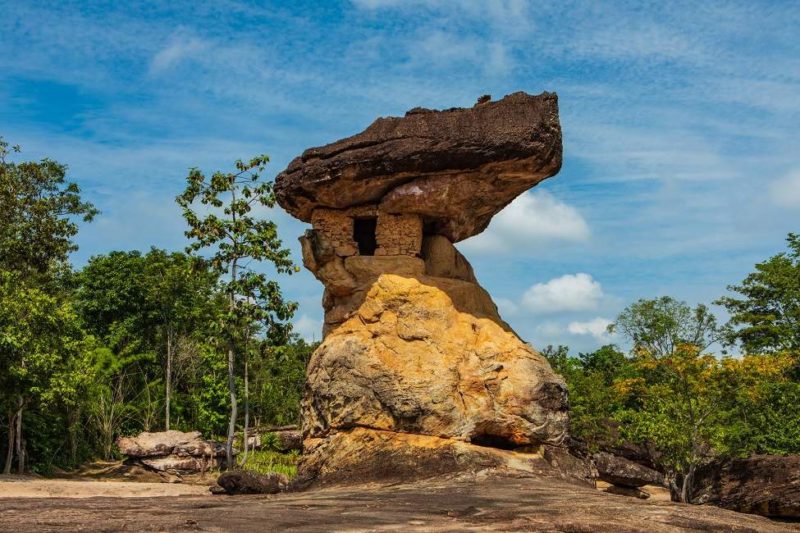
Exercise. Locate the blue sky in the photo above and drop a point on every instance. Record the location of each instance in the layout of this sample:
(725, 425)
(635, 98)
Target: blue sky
(681, 152)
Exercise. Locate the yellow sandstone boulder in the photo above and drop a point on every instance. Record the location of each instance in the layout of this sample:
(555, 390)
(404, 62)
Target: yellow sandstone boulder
(409, 361)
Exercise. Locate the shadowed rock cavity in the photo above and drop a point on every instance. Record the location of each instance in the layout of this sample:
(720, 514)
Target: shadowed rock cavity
(412, 343)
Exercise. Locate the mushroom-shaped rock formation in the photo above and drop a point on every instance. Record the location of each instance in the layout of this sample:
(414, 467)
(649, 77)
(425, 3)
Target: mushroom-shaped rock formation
(414, 347)
(456, 168)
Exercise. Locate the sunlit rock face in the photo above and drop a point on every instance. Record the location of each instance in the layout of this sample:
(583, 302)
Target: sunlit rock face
(413, 345)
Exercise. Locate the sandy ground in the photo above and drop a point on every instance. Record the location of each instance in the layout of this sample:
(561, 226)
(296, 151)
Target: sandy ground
(31, 487)
(467, 504)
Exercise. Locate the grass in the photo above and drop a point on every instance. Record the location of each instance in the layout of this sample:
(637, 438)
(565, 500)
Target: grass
(267, 461)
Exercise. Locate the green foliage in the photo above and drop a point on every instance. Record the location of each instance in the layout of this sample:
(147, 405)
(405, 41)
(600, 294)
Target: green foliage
(671, 396)
(39, 329)
(38, 206)
(594, 401)
(279, 377)
(661, 325)
(269, 461)
(768, 313)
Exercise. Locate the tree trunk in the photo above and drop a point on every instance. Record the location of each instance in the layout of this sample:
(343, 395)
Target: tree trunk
(231, 369)
(232, 420)
(686, 487)
(11, 440)
(73, 418)
(20, 448)
(168, 380)
(246, 404)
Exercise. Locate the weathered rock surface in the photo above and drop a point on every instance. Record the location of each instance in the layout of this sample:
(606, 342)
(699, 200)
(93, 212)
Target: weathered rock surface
(625, 473)
(471, 502)
(172, 450)
(367, 455)
(247, 482)
(457, 168)
(410, 361)
(768, 485)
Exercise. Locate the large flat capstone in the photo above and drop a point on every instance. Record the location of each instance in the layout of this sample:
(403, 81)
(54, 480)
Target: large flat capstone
(456, 168)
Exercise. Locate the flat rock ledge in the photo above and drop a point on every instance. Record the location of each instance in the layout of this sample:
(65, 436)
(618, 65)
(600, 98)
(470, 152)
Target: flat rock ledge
(470, 502)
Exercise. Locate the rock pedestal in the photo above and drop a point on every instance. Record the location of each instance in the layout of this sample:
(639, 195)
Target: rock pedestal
(416, 362)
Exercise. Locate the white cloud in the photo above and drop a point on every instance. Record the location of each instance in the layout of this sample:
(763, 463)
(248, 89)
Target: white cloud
(597, 328)
(785, 191)
(533, 218)
(570, 292)
(506, 306)
(308, 328)
(181, 47)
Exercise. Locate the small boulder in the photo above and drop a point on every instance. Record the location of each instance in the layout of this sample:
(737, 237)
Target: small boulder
(172, 450)
(624, 473)
(247, 482)
(631, 492)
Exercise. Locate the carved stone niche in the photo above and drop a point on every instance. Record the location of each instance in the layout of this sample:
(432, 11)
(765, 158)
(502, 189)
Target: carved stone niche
(364, 230)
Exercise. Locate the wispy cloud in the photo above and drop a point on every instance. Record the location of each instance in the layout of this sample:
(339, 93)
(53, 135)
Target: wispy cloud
(785, 191)
(180, 48)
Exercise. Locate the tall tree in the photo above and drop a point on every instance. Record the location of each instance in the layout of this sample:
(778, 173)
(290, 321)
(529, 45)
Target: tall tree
(659, 326)
(767, 314)
(39, 210)
(38, 334)
(237, 241)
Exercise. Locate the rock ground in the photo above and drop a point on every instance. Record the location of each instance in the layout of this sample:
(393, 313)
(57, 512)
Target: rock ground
(465, 504)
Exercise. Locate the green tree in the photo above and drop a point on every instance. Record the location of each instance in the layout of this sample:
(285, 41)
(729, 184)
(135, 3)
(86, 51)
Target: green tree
(767, 314)
(279, 379)
(594, 401)
(38, 333)
(179, 297)
(660, 325)
(237, 241)
(143, 306)
(39, 210)
(686, 396)
(694, 411)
